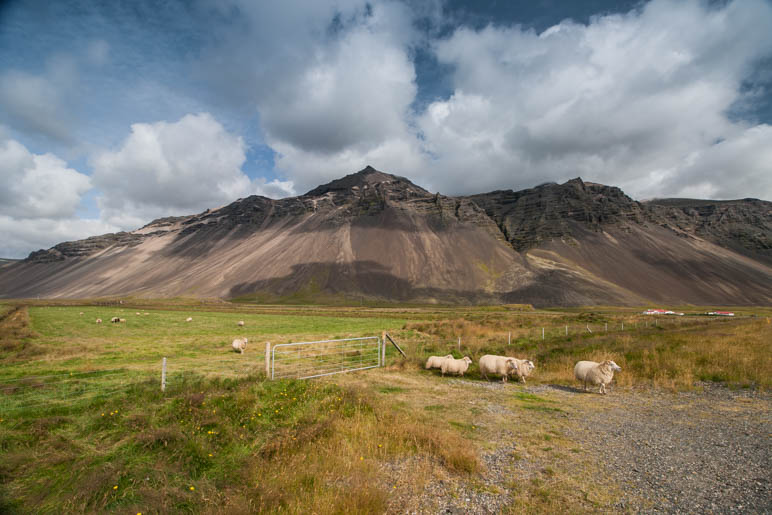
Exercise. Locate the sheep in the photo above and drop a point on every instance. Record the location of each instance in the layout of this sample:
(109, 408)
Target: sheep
(239, 344)
(505, 366)
(137, 313)
(436, 361)
(241, 323)
(80, 313)
(99, 321)
(455, 366)
(121, 320)
(189, 319)
(115, 320)
(523, 368)
(596, 373)
(500, 365)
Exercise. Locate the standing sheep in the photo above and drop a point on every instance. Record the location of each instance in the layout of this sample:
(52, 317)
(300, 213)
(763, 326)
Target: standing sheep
(241, 323)
(240, 344)
(189, 319)
(436, 361)
(596, 373)
(99, 321)
(523, 368)
(499, 365)
(115, 320)
(455, 366)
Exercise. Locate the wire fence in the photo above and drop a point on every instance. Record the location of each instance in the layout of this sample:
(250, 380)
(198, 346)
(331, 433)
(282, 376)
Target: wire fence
(304, 360)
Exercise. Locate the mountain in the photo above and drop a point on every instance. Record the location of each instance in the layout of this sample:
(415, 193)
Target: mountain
(379, 236)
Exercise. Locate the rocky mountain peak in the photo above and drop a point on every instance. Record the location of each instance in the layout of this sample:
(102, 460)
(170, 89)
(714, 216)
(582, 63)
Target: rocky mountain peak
(370, 180)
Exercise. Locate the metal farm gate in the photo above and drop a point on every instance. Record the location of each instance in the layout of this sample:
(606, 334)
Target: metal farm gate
(305, 360)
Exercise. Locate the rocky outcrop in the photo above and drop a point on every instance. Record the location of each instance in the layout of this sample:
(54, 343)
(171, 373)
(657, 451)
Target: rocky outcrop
(82, 248)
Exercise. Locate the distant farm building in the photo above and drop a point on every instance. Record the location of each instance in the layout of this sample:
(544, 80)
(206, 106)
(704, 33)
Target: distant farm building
(720, 313)
(661, 312)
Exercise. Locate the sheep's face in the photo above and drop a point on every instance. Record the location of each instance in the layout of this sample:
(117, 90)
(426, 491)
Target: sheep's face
(613, 366)
(530, 365)
(468, 360)
(245, 341)
(511, 364)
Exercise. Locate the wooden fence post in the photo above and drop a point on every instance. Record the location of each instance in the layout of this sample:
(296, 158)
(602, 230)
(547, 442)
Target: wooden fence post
(509, 338)
(163, 375)
(383, 348)
(267, 360)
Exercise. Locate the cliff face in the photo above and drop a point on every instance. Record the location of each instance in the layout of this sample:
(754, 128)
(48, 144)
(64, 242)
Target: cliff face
(376, 235)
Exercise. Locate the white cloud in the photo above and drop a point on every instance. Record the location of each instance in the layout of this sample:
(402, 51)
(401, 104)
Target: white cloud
(624, 98)
(332, 81)
(38, 186)
(173, 168)
(39, 198)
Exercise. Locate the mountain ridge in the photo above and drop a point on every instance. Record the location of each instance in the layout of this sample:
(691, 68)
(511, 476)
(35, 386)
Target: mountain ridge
(381, 236)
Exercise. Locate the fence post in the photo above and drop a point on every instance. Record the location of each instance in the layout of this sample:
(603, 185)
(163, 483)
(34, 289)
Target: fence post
(163, 375)
(542, 333)
(623, 326)
(459, 344)
(267, 360)
(606, 329)
(383, 348)
(509, 338)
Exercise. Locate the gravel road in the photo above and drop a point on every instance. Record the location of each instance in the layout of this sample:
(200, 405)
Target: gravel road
(695, 452)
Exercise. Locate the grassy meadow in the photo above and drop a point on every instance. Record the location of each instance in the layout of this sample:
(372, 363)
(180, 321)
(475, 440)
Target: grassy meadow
(84, 426)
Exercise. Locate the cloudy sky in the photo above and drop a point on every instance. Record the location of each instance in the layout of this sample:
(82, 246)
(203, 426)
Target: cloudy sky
(115, 113)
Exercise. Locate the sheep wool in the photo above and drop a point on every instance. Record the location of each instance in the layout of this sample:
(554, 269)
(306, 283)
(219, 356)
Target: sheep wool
(241, 323)
(596, 373)
(240, 344)
(455, 366)
(436, 361)
(497, 365)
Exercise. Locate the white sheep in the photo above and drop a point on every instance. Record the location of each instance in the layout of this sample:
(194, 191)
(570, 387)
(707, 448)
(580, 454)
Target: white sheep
(241, 323)
(499, 365)
(137, 313)
(115, 320)
(80, 313)
(523, 368)
(239, 344)
(99, 321)
(189, 319)
(121, 320)
(596, 373)
(436, 361)
(455, 366)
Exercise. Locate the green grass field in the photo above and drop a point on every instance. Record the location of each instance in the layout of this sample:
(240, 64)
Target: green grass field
(84, 426)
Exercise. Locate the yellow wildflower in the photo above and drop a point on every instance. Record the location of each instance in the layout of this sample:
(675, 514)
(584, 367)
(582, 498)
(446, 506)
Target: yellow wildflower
(192, 488)
(115, 487)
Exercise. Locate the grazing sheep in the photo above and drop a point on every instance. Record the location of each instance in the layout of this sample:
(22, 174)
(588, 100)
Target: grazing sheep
(241, 323)
(80, 313)
(99, 321)
(115, 320)
(143, 314)
(239, 344)
(455, 366)
(524, 368)
(121, 320)
(137, 313)
(596, 373)
(189, 319)
(436, 361)
(499, 365)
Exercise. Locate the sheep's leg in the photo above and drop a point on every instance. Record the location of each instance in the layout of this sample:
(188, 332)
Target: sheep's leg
(504, 378)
